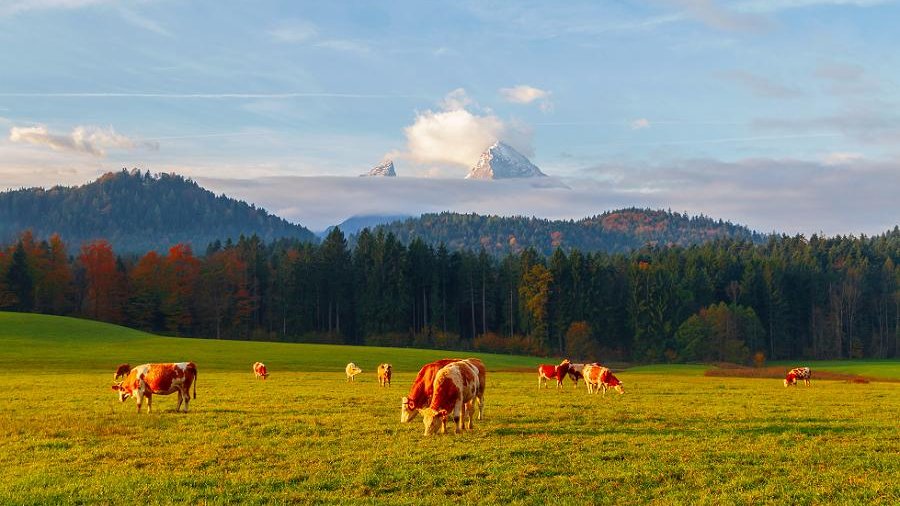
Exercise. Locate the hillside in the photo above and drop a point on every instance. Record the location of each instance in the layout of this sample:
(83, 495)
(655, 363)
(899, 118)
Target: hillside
(41, 342)
(614, 232)
(137, 212)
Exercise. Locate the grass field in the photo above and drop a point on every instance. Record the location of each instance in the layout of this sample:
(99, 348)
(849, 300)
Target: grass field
(307, 436)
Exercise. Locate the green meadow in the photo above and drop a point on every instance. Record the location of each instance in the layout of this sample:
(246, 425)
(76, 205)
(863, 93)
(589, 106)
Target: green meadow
(305, 435)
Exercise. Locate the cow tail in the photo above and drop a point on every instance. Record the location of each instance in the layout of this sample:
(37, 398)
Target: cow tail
(194, 367)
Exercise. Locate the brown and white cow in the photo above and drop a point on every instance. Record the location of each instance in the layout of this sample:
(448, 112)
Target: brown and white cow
(557, 372)
(121, 371)
(385, 371)
(352, 370)
(420, 392)
(455, 388)
(259, 369)
(576, 372)
(160, 379)
(597, 377)
(797, 373)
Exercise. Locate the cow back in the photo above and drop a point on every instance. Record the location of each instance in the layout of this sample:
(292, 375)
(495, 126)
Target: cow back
(455, 382)
(423, 386)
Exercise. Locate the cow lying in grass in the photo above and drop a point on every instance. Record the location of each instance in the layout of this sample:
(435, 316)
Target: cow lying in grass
(797, 373)
(597, 377)
(557, 372)
(456, 386)
(352, 370)
(160, 379)
(420, 392)
(259, 369)
(385, 371)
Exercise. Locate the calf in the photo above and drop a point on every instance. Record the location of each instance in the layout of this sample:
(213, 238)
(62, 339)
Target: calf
(796, 373)
(420, 392)
(121, 371)
(557, 372)
(597, 377)
(384, 374)
(259, 369)
(576, 372)
(352, 370)
(455, 388)
(162, 379)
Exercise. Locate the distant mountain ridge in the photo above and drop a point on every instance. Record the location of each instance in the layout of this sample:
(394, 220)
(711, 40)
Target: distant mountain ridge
(614, 231)
(138, 212)
(501, 161)
(355, 224)
(383, 169)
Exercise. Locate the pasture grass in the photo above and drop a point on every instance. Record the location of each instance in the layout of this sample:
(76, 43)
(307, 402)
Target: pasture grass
(307, 436)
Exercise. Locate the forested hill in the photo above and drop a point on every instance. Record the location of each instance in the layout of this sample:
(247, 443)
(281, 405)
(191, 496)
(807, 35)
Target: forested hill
(137, 212)
(615, 231)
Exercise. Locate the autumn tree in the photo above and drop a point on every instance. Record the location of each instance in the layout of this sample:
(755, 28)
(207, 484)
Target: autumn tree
(102, 281)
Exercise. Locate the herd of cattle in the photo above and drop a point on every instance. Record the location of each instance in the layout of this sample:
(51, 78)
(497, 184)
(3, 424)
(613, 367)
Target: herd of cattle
(445, 389)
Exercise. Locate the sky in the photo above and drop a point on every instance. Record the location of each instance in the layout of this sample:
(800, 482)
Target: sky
(783, 115)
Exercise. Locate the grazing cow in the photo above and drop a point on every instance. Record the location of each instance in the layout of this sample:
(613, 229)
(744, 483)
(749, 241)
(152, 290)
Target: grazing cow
(797, 373)
(557, 372)
(576, 372)
(121, 371)
(259, 369)
(597, 377)
(352, 370)
(384, 374)
(161, 379)
(455, 388)
(420, 392)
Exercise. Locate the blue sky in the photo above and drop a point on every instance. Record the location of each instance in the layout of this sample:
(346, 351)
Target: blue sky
(779, 114)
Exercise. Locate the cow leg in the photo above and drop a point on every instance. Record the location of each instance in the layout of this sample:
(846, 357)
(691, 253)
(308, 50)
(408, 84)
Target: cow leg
(481, 407)
(180, 399)
(139, 399)
(187, 398)
(149, 403)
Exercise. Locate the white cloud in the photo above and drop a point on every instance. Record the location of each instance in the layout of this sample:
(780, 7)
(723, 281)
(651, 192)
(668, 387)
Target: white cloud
(640, 123)
(457, 136)
(842, 158)
(761, 86)
(721, 17)
(16, 6)
(293, 31)
(82, 139)
(524, 94)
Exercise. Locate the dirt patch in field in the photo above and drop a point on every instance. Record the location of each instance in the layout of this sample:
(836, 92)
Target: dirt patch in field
(739, 371)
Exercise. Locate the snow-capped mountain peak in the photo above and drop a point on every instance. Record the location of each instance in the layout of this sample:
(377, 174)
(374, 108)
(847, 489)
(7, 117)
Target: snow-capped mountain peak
(501, 161)
(385, 168)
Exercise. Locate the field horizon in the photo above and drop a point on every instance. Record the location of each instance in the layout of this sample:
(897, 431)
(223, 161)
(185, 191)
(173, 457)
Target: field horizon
(305, 435)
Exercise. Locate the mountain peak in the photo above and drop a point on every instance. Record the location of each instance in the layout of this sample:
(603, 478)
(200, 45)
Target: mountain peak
(501, 161)
(384, 169)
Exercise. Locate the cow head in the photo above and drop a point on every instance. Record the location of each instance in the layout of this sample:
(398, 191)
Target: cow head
(434, 420)
(123, 392)
(790, 380)
(408, 410)
(618, 388)
(121, 370)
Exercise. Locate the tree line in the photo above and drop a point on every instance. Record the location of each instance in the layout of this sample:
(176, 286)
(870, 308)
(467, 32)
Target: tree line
(725, 300)
(617, 231)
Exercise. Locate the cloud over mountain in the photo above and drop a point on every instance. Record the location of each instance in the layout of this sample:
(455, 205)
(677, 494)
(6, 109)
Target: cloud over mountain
(90, 140)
